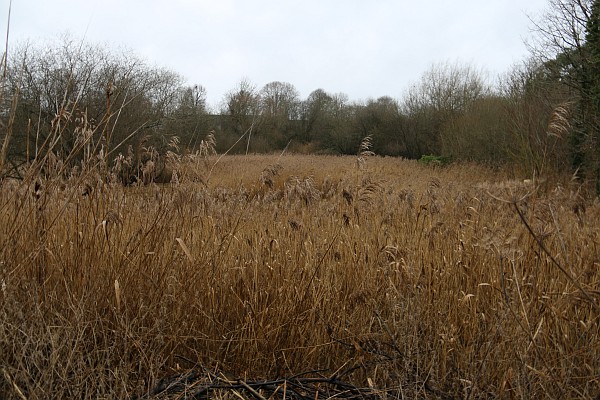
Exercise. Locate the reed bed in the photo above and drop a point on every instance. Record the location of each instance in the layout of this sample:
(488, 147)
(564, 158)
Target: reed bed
(413, 281)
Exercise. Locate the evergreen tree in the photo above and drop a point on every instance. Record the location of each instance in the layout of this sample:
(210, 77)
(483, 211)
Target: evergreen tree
(590, 95)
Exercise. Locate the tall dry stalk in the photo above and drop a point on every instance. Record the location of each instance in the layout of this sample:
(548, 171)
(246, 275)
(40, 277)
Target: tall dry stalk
(559, 126)
(432, 291)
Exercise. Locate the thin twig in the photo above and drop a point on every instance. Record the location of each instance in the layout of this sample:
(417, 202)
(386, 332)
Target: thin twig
(251, 390)
(228, 150)
(556, 263)
(13, 384)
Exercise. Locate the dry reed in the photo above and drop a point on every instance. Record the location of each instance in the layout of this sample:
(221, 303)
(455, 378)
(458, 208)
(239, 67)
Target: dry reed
(415, 280)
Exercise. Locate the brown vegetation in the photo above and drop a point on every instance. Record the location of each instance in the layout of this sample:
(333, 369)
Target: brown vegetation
(424, 282)
(133, 267)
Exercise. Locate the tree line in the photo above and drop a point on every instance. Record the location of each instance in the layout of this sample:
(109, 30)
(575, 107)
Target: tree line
(540, 116)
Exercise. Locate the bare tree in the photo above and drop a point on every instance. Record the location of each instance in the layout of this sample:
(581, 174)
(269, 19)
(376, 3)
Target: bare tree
(279, 109)
(79, 99)
(444, 92)
(447, 88)
(189, 119)
(381, 120)
(241, 112)
(567, 42)
(314, 113)
(280, 99)
(560, 32)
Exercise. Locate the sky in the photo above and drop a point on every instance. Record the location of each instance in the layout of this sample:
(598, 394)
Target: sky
(365, 49)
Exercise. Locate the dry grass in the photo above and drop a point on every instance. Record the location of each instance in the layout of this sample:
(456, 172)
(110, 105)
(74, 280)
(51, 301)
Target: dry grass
(416, 280)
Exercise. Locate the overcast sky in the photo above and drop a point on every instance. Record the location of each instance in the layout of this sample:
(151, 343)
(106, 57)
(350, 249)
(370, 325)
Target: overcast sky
(363, 48)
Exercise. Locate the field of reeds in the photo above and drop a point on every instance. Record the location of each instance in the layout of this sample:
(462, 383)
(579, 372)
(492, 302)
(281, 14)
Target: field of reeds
(400, 280)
